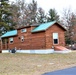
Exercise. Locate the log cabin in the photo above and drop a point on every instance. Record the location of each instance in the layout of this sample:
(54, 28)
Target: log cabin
(43, 38)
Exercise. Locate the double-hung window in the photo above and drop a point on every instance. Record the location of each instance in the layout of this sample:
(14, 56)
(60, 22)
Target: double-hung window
(55, 38)
(11, 40)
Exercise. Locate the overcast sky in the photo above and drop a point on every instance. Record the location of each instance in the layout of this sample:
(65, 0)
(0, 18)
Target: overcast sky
(59, 5)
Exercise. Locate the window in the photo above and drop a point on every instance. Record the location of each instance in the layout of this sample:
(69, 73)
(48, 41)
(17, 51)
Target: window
(11, 40)
(23, 30)
(22, 38)
(55, 38)
(55, 41)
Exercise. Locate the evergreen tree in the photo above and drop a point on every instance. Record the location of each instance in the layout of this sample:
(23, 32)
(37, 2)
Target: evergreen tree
(6, 22)
(53, 15)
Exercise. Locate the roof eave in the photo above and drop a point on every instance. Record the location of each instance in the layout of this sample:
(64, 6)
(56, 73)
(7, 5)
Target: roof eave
(37, 31)
(8, 36)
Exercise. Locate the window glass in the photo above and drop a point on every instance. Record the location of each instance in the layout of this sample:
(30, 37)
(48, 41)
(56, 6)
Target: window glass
(22, 38)
(11, 40)
(55, 35)
(55, 41)
(55, 38)
(23, 30)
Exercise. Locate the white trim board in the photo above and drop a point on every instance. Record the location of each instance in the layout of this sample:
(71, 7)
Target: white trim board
(64, 51)
(45, 51)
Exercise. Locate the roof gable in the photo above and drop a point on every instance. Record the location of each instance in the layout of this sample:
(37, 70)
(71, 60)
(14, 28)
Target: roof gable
(62, 27)
(10, 33)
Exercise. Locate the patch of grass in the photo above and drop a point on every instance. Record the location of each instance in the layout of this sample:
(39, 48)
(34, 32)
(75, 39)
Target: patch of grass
(34, 64)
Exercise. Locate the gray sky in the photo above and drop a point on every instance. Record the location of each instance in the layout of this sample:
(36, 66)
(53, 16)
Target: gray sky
(59, 5)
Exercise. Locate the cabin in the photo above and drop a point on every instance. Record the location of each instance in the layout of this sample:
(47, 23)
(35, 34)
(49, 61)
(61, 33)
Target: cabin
(43, 38)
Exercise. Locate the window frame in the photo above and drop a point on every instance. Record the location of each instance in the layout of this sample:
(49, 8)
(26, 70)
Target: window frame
(22, 38)
(54, 38)
(23, 30)
(10, 40)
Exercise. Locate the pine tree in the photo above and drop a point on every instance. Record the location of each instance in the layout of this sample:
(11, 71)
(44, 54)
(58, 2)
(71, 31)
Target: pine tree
(6, 22)
(53, 15)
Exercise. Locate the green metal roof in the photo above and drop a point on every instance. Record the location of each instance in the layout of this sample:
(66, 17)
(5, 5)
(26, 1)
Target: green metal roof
(43, 26)
(10, 33)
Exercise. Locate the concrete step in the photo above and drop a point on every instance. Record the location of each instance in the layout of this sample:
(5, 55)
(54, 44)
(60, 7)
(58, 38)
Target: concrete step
(61, 49)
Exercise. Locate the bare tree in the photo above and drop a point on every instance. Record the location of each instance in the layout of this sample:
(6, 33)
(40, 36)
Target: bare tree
(69, 20)
(30, 13)
(16, 13)
(41, 16)
(27, 14)
(23, 13)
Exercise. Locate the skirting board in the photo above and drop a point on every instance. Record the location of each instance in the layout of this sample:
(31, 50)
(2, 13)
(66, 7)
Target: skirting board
(45, 51)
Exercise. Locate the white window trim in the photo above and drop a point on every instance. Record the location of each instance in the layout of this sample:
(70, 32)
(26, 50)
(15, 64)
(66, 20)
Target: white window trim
(12, 42)
(22, 37)
(24, 31)
(56, 38)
